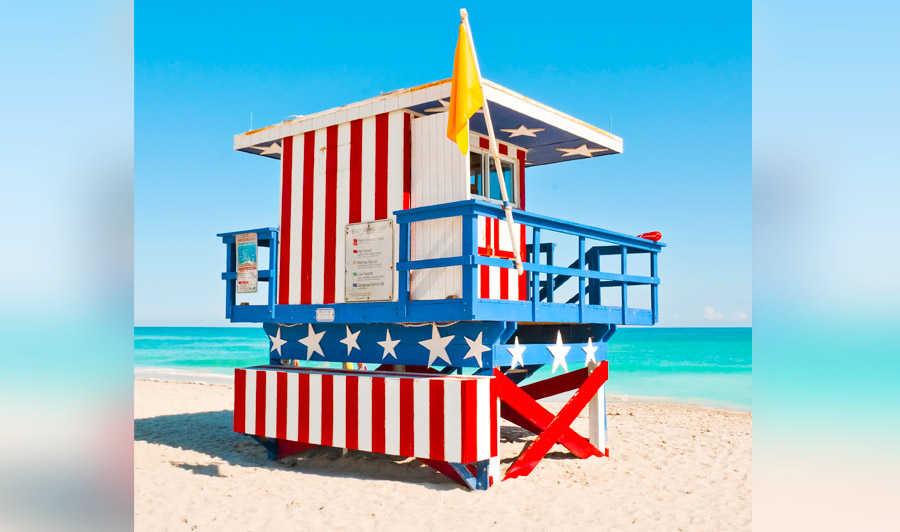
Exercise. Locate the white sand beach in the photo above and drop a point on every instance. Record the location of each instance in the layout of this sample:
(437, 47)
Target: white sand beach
(671, 468)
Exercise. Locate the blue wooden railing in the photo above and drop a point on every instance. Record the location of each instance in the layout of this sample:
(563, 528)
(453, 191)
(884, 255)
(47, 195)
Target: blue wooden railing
(544, 276)
(266, 237)
(586, 268)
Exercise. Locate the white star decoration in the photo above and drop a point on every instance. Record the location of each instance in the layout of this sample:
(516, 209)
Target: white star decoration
(476, 348)
(580, 150)
(437, 346)
(523, 131)
(271, 149)
(350, 340)
(516, 353)
(589, 352)
(559, 352)
(312, 342)
(388, 345)
(277, 342)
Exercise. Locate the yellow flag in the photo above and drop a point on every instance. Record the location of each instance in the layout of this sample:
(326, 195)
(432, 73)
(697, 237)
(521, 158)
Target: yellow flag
(465, 93)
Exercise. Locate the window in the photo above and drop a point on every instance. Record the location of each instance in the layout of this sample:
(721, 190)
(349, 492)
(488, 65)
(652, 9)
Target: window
(489, 188)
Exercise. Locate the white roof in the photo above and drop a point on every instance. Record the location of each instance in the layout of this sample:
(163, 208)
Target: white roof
(548, 135)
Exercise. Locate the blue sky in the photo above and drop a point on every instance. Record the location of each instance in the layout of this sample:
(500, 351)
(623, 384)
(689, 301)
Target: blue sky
(673, 80)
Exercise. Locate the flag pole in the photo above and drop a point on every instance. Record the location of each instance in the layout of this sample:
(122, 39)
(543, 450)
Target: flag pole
(464, 15)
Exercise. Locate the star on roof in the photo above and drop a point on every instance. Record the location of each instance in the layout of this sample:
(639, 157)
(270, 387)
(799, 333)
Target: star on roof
(516, 353)
(312, 342)
(437, 346)
(559, 352)
(523, 131)
(271, 149)
(350, 340)
(476, 348)
(277, 342)
(589, 352)
(580, 150)
(388, 345)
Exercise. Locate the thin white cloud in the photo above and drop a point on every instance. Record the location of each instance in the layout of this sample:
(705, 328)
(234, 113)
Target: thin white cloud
(740, 315)
(710, 313)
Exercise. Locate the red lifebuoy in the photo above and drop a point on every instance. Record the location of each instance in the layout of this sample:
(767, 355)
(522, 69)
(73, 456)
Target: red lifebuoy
(655, 236)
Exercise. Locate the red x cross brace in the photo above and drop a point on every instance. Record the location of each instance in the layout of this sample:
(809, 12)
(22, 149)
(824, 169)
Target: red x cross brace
(524, 410)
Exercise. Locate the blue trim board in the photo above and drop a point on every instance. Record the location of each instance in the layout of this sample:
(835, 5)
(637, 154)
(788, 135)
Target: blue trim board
(443, 310)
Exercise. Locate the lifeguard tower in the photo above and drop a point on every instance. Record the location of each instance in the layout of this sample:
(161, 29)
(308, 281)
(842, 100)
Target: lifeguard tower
(392, 251)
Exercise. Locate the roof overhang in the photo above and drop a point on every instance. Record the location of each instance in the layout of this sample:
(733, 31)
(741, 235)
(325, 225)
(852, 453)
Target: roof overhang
(548, 135)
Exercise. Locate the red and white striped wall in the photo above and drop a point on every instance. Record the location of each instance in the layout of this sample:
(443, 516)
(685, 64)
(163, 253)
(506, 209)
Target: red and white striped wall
(494, 241)
(446, 418)
(346, 173)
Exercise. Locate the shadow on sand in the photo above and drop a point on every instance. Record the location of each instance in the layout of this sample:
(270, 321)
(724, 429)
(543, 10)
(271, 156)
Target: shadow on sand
(211, 434)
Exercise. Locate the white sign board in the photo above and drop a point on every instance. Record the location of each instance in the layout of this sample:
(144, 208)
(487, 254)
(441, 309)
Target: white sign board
(324, 314)
(369, 263)
(247, 273)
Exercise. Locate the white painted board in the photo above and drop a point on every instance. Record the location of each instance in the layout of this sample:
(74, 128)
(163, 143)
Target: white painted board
(369, 261)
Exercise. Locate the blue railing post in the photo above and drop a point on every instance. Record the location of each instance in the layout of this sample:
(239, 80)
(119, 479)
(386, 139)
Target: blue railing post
(654, 311)
(581, 280)
(535, 277)
(470, 271)
(404, 277)
(230, 285)
(273, 237)
(593, 285)
(549, 278)
(624, 284)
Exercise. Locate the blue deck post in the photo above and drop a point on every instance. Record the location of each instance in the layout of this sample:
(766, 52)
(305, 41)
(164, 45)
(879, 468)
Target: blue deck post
(273, 271)
(403, 289)
(624, 285)
(230, 284)
(535, 277)
(549, 279)
(654, 311)
(470, 271)
(593, 285)
(581, 280)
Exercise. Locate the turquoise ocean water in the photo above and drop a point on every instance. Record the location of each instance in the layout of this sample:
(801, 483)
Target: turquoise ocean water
(701, 366)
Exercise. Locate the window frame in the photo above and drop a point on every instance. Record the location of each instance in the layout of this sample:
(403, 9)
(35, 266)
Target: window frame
(486, 162)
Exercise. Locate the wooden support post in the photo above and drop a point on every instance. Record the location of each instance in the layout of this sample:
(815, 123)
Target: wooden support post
(597, 414)
(535, 276)
(624, 285)
(581, 280)
(404, 277)
(231, 284)
(593, 285)
(277, 449)
(273, 270)
(549, 280)
(654, 310)
(470, 292)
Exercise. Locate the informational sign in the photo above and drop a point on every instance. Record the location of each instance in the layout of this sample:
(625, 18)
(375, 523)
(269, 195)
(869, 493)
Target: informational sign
(324, 314)
(369, 265)
(247, 272)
